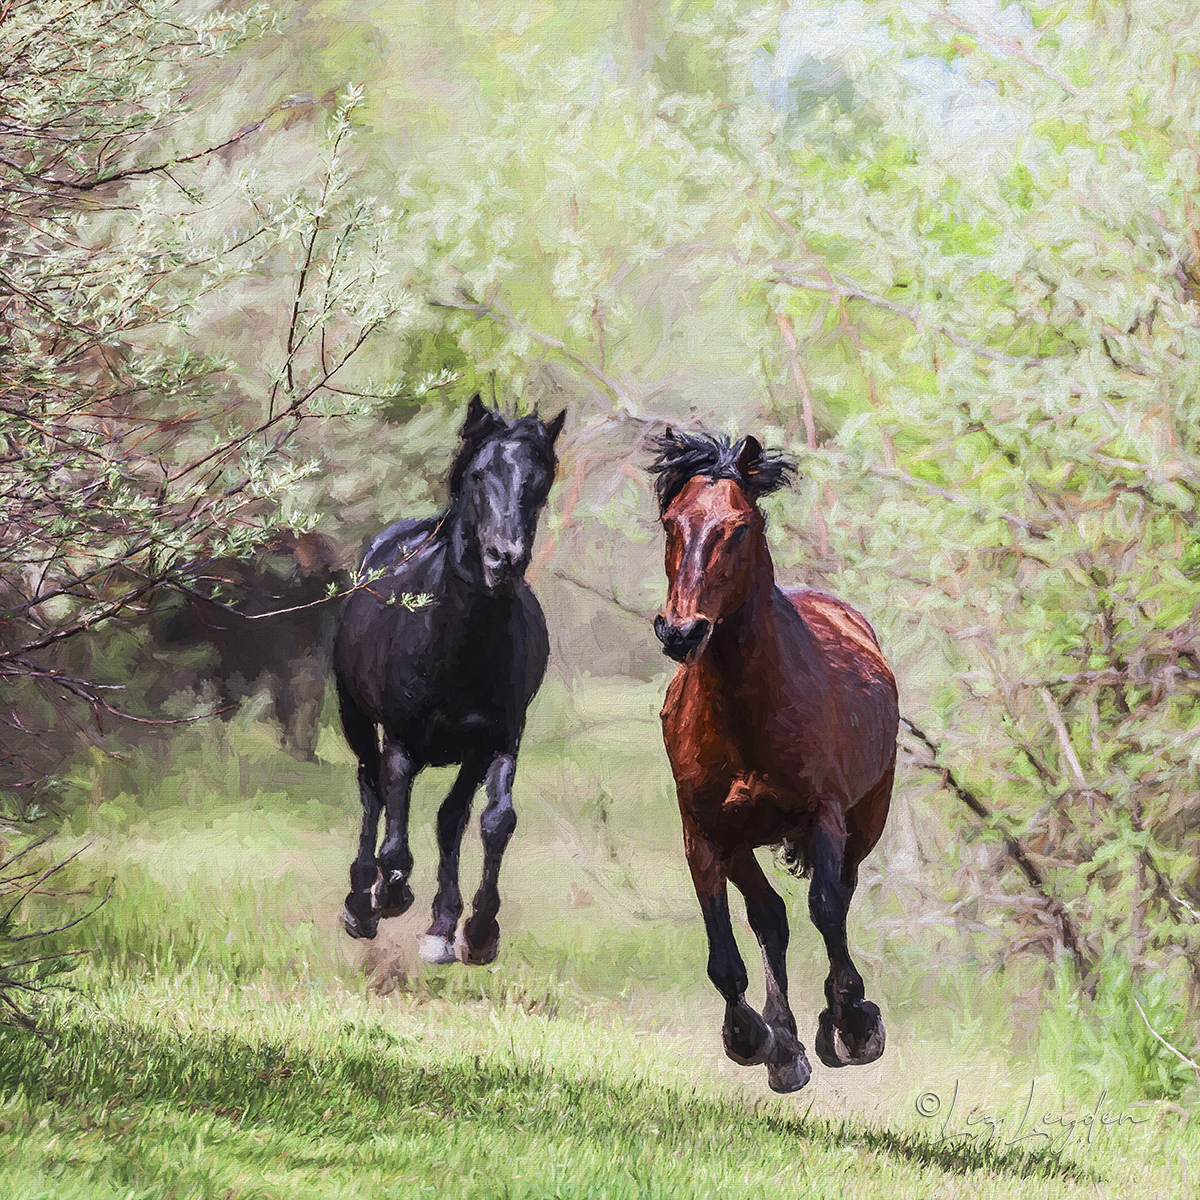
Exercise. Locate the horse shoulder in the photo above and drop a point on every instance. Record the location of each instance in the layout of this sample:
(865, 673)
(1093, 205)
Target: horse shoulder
(698, 733)
(531, 640)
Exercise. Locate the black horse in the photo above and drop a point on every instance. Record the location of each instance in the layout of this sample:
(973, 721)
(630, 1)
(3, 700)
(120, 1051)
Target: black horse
(448, 680)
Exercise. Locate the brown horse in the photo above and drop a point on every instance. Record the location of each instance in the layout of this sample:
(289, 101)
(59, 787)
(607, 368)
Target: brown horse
(780, 725)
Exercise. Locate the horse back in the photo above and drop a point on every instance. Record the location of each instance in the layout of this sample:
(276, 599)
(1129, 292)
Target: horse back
(842, 632)
(400, 538)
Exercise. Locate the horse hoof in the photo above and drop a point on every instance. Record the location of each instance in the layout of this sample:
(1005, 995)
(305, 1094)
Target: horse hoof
(436, 949)
(356, 925)
(748, 1039)
(790, 1075)
(851, 1035)
(394, 898)
(477, 954)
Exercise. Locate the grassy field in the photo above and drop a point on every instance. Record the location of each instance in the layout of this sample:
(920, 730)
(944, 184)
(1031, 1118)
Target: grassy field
(225, 1038)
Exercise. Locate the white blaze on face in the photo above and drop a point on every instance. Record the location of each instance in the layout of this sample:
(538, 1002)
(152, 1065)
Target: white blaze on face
(503, 539)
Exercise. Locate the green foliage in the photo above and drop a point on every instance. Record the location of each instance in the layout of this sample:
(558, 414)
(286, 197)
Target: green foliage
(1110, 1043)
(134, 453)
(30, 960)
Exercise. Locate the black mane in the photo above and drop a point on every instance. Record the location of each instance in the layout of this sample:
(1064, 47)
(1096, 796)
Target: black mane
(683, 456)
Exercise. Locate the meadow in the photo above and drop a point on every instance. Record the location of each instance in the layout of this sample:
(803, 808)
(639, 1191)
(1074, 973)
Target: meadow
(224, 1038)
(948, 259)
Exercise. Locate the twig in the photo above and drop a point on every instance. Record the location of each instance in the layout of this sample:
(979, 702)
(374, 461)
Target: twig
(844, 291)
(118, 176)
(1178, 1053)
(1012, 845)
(1006, 46)
(1064, 739)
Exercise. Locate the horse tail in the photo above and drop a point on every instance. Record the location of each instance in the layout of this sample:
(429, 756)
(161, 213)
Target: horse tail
(794, 857)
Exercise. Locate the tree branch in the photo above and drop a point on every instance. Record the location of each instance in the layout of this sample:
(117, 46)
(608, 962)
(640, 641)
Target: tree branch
(1012, 845)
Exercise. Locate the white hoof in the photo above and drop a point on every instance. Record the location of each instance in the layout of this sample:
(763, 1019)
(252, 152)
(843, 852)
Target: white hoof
(436, 950)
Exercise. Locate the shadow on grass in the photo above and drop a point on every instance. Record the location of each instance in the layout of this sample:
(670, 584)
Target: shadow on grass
(371, 1075)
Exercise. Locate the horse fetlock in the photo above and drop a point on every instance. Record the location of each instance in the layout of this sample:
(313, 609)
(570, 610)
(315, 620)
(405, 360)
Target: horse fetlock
(851, 1035)
(445, 920)
(727, 973)
(842, 990)
(391, 894)
(777, 1014)
(363, 876)
(748, 1039)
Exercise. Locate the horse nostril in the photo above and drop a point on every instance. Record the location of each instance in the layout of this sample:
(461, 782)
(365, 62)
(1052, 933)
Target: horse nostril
(680, 640)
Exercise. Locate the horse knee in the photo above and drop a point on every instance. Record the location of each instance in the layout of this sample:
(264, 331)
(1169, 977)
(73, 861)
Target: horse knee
(828, 900)
(767, 915)
(450, 822)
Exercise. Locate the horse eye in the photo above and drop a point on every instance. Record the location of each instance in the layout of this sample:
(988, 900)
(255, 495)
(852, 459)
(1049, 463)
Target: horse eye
(737, 534)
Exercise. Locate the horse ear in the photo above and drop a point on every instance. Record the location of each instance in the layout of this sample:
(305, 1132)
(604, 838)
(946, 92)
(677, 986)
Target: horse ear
(479, 422)
(748, 456)
(554, 427)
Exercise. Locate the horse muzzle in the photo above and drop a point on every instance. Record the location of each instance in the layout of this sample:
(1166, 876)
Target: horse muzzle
(502, 565)
(685, 641)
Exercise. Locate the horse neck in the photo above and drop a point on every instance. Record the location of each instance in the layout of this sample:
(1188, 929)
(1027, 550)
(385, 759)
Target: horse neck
(462, 548)
(748, 638)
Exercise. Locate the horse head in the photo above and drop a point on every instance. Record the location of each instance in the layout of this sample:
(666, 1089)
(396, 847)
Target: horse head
(498, 484)
(716, 551)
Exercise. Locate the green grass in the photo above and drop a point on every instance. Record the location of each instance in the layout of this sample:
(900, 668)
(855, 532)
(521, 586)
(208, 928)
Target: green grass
(160, 1091)
(226, 1039)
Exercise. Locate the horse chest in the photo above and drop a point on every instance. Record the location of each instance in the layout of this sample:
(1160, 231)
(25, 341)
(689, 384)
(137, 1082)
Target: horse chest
(736, 767)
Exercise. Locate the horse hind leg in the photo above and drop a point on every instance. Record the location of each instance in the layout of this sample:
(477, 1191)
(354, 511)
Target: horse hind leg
(850, 1030)
(437, 944)
(359, 917)
(481, 931)
(788, 1069)
(392, 895)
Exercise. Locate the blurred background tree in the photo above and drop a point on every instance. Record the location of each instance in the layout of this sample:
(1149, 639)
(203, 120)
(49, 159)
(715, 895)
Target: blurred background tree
(135, 455)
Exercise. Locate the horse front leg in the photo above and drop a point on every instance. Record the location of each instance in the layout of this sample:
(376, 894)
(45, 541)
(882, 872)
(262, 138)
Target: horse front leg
(437, 946)
(481, 932)
(748, 1039)
(850, 1030)
(787, 1067)
(391, 894)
